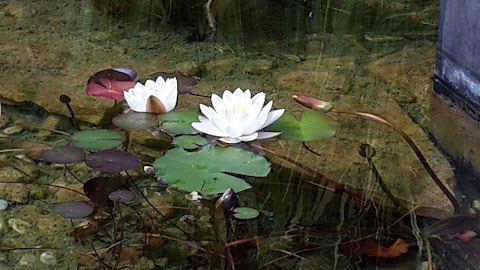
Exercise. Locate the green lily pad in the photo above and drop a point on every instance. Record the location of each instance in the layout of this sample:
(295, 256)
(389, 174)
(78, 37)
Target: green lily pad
(245, 213)
(96, 139)
(135, 120)
(312, 126)
(179, 122)
(210, 170)
(189, 142)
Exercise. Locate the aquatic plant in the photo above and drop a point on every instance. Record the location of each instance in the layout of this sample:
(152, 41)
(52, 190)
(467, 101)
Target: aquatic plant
(212, 163)
(157, 97)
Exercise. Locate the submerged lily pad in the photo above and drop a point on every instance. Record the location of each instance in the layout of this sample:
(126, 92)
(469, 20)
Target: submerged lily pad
(73, 209)
(312, 126)
(245, 213)
(189, 142)
(98, 189)
(64, 154)
(121, 195)
(97, 139)
(112, 161)
(210, 170)
(135, 120)
(179, 122)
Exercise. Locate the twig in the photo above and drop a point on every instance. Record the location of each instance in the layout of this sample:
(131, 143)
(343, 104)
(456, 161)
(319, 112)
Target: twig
(210, 18)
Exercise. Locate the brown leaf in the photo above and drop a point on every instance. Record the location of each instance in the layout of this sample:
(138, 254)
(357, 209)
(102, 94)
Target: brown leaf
(467, 235)
(372, 248)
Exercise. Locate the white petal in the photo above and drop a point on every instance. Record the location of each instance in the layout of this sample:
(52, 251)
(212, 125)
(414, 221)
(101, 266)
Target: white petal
(247, 94)
(234, 131)
(227, 96)
(217, 103)
(229, 140)
(249, 138)
(260, 120)
(208, 112)
(238, 93)
(259, 98)
(171, 99)
(266, 135)
(150, 85)
(208, 128)
(272, 117)
(134, 103)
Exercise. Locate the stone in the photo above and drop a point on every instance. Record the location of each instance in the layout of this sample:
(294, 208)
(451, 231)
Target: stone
(188, 67)
(62, 194)
(15, 192)
(258, 66)
(13, 130)
(18, 225)
(222, 67)
(52, 224)
(3, 205)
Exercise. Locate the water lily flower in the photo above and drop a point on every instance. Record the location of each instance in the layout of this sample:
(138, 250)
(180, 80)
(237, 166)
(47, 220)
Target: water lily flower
(158, 96)
(237, 117)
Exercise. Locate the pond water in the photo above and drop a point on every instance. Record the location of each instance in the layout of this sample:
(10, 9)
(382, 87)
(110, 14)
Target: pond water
(333, 191)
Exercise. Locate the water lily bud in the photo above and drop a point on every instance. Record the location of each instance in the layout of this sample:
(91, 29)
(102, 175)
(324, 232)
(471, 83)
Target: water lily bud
(313, 103)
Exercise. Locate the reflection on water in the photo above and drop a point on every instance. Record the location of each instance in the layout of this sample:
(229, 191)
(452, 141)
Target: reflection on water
(365, 212)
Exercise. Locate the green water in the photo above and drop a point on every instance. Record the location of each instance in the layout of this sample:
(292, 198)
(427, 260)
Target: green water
(363, 55)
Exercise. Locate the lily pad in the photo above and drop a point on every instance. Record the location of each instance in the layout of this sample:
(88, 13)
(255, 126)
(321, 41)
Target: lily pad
(312, 126)
(179, 122)
(64, 154)
(97, 139)
(121, 195)
(210, 170)
(98, 189)
(112, 161)
(135, 120)
(73, 209)
(245, 213)
(189, 142)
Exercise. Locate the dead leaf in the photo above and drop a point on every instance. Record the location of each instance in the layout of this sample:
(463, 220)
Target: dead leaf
(467, 235)
(373, 249)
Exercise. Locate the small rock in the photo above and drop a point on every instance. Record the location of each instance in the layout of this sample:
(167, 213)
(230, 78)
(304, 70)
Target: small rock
(19, 225)
(28, 260)
(3, 205)
(222, 67)
(52, 224)
(14, 192)
(188, 67)
(293, 57)
(13, 130)
(3, 225)
(259, 66)
(48, 258)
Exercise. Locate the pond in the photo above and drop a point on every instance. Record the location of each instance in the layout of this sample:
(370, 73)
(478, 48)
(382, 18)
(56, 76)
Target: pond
(221, 134)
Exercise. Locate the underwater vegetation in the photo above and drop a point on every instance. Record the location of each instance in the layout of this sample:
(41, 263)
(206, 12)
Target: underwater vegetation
(216, 155)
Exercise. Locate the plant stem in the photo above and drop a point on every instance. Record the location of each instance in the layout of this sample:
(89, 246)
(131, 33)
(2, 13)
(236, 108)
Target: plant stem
(418, 153)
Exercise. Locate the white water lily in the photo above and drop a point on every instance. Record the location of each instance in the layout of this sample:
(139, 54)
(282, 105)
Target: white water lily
(158, 96)
(237, 117)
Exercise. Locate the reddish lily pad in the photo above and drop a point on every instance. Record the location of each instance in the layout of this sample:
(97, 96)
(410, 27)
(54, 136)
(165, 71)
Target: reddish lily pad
(112, 161)
(110, 83)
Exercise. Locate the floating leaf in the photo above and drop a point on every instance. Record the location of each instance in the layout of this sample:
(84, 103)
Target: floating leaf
(312, 126)
(73, 209)
(110, 83)
(130, 72)
(185, 83)
(64, 154)
(97, 139)
(112, 161)
(179, 122)
(121, 195)
(245, 213)
(98, 189)
(135, 120)
(189, 142)
(209, 170)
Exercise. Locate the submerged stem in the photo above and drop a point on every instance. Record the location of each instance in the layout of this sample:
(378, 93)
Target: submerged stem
(418, 153)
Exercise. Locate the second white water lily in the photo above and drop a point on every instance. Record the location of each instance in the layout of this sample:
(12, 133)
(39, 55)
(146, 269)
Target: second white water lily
(158, 96)
(238, 117)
